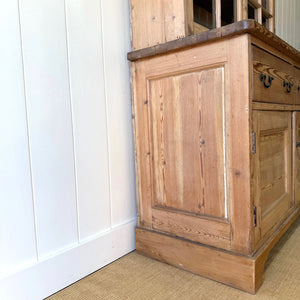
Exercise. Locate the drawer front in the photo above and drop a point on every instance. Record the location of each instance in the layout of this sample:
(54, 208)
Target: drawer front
(273, 78)
(297, 85)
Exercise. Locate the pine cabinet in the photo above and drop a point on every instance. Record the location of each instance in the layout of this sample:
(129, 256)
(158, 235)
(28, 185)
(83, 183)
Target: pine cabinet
(216, 123)
(157, 21)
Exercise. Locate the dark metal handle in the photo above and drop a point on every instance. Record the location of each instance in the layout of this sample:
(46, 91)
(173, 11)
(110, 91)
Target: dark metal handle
(298, 87)
(288, 85)
(263, 78)
(298, 144)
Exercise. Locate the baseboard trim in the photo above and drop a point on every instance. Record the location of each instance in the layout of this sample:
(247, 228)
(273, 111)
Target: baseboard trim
(48, 276)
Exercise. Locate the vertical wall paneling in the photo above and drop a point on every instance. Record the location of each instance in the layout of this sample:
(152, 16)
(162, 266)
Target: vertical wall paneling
(297, 25)
(17, 234)
(67, 191)
(288, 21)
(116, 42)
(89, 114)
(49, 119)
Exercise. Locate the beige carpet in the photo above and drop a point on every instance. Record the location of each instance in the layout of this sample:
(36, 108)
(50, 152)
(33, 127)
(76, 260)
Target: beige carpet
(136, 277)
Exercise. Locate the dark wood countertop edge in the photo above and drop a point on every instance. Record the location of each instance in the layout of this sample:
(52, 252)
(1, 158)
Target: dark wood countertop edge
(241, 27)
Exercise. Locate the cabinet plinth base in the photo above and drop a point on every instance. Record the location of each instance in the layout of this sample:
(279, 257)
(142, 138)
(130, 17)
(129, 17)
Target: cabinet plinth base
(242, 272)
(234, 270)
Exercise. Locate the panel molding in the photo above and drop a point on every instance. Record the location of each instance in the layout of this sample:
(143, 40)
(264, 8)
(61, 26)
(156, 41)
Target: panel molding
(65, 267)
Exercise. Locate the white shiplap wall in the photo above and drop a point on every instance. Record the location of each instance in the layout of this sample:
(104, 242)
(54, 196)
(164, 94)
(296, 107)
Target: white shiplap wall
(287, 18)
(67, 197)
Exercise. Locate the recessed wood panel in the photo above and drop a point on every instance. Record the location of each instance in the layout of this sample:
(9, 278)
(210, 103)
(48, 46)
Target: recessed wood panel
(187, 138)
(207, 231)
(272, 170)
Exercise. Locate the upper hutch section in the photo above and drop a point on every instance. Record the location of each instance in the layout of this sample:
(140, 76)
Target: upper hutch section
(159, 21)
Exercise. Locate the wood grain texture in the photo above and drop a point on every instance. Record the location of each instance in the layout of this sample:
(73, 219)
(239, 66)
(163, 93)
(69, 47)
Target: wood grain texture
(196, 228)
(255, 3)
(234, 270)
(170, 126)
(239, 144)
(245, 273)
(262, 255)
(258, 12)
(217, 13)
(245, 26)
(144, 73)
(271, 21)
(280, 71)
(142, 149)
(296, 157)
(174, 86)
(154, 22)
(187, 141)
(199, 28)
(189, 17)
(273, 197)
(272, 106)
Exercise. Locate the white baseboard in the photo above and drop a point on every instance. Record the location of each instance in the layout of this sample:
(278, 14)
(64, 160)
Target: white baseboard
(54, 273)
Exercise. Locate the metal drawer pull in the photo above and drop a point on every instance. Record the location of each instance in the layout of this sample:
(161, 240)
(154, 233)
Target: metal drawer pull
(298, 87)
(288, 86)
(263, 78)
(298, 144)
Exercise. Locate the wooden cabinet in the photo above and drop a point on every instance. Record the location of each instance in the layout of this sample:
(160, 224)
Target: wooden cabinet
(217, 150)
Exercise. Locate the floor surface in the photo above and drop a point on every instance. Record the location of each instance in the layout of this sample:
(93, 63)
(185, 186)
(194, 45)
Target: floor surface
(136, 277)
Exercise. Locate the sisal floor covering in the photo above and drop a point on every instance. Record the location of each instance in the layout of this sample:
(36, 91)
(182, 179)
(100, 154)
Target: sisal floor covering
(136, 277)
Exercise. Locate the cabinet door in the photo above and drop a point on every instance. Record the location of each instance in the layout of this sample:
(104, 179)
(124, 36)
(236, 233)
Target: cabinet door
(296, 162)
(188, 136)
(272, 171)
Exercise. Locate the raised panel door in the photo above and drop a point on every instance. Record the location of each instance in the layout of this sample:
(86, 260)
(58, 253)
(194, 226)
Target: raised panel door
(272, 170)
(187, 137)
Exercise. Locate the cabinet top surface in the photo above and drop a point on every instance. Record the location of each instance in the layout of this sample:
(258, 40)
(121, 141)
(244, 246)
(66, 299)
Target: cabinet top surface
(238, 28)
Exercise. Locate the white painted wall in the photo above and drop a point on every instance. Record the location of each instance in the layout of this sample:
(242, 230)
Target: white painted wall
(287, 19)
(67, 191)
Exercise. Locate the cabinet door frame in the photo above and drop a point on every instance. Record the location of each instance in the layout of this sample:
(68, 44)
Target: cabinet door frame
(296, 157)
(286, 200)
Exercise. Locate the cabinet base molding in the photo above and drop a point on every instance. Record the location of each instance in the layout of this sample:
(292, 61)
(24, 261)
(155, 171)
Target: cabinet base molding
(241, 272)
